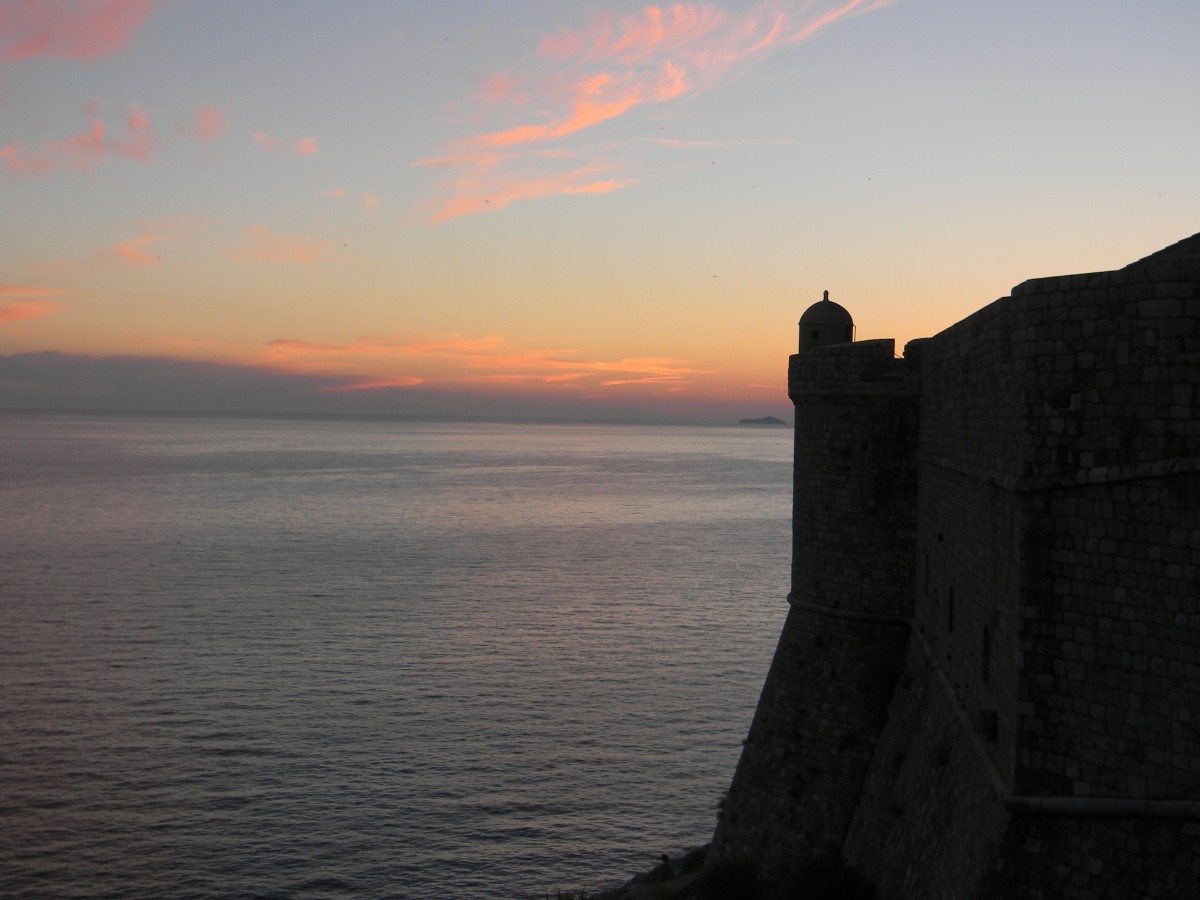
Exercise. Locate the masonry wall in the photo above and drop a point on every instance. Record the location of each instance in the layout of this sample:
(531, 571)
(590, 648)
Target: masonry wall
(1106, 366)
(1030, 480)
(1058, 499)
(1109, 858)
(811, 740)
(1110, 694)
(827, 691)
(970, 522)
(1110, 690)
(930, 817)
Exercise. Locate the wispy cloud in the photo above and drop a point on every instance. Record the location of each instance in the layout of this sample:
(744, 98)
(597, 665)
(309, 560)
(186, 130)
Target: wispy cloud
(139, 250)
(20, 302)
(209, 124)
(582, 79)
(262, 245)
(683, 144)
(367, 201)
(479, 191)
(68, 29)
(295, 147)
(374, 384)
(135, 250)
(85, 149)
(17, 310)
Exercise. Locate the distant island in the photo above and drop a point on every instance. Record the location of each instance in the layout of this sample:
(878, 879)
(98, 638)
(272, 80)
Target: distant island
(765, 420)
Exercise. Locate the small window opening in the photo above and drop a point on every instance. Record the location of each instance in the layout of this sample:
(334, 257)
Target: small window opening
(815, 334)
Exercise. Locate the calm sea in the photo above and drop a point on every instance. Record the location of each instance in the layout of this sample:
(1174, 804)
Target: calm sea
(251, 657)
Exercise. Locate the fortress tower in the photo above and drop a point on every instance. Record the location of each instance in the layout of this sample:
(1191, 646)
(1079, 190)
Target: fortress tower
(853, 525)
(988, 682)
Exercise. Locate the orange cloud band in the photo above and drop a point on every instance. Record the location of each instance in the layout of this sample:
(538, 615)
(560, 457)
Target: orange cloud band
(478, 361)
(25, 309)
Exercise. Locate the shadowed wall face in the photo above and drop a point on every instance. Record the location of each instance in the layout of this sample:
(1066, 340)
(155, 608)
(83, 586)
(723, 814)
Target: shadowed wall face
(827, 692)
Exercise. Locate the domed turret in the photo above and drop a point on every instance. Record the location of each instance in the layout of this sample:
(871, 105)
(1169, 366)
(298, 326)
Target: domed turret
(825, 323)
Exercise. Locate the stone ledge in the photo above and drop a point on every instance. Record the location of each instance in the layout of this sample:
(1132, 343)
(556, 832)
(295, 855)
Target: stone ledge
(1104, 807)
(853, 615)
(1029, 484)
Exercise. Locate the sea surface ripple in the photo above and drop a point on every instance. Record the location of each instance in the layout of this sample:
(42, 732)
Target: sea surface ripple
(290, 658)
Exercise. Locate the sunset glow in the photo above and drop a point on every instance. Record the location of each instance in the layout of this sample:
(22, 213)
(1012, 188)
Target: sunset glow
(610, 211)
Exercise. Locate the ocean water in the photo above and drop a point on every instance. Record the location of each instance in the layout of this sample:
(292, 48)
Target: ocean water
(272, 657)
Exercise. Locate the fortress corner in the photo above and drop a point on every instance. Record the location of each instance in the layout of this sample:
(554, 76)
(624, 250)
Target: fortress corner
(987, 684)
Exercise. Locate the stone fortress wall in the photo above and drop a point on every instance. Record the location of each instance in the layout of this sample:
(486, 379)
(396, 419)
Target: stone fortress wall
(988, 683)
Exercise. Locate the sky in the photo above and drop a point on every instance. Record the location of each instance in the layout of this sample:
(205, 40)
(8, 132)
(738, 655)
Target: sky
(554, 209)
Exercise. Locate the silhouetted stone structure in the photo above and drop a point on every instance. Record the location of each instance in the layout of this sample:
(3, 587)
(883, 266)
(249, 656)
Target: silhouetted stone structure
(988, 683)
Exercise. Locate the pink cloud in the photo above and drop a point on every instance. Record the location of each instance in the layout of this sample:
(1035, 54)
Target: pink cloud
(68, 29)
(675, 142)
(137, 251)
(338, 193)
(302, 147)
(261, 245)
(210, 124)
(472, 195)
(593, 99)
(133, 252)
(811, 27)
(286, 350)
(494, 89)
(369, 201)
(20, 310)
(22, 302)
(84, 149)
(583, 79)
(136, 142)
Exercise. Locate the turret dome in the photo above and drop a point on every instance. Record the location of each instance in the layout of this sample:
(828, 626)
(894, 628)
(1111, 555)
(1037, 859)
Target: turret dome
(825, 323)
